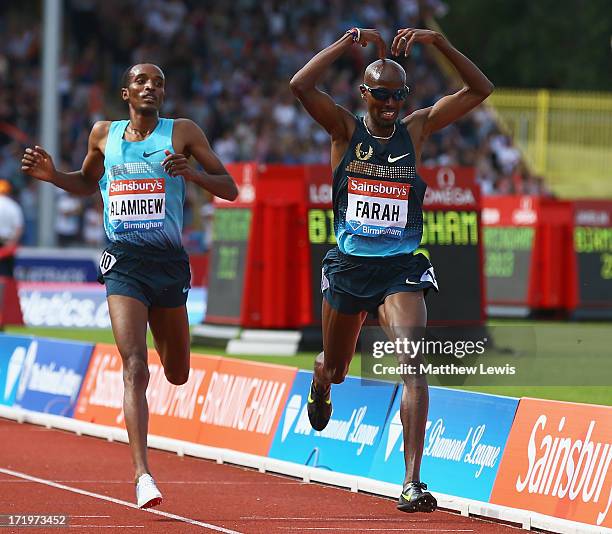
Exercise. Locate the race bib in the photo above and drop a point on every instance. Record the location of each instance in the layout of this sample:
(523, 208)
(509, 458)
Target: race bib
(376, 208)
(137, 205)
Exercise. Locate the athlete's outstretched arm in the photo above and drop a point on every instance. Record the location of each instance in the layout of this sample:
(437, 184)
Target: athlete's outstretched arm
(215, 177)
(319, 104)
(37, 163)
(476, 87)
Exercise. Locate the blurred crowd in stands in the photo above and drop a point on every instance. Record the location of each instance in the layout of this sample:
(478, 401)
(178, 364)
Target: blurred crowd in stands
(227, 66)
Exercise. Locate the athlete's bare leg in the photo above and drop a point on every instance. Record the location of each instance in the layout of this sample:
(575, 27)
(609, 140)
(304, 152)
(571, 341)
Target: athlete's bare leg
(404, 315)
(129, 321)
(170, 329)
(340, 333)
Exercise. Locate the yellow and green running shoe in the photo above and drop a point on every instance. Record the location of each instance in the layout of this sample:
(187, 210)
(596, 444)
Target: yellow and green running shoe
(414, 498)
(319, 407)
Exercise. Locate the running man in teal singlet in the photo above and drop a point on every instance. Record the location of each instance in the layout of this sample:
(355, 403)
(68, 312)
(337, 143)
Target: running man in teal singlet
(140, 166)
(378, 221)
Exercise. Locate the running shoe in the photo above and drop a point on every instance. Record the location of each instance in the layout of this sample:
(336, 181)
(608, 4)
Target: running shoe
(147, 494)
(319, 408)
(414, 498)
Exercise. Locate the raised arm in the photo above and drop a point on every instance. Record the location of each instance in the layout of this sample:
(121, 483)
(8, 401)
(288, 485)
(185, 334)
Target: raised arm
(37, 163)
(448, 109)
(189, 138)
(335, 119)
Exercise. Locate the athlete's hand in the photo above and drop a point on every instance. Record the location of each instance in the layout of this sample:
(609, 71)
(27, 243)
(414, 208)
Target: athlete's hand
(405, 38)
(177, 165)
(38, 164)
(373, 36)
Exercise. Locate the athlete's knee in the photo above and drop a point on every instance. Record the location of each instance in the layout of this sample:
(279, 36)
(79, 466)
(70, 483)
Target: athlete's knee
(177, 376)
(135, 371)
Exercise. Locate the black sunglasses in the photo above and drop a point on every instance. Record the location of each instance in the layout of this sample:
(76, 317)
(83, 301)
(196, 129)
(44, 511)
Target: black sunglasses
(380, 93)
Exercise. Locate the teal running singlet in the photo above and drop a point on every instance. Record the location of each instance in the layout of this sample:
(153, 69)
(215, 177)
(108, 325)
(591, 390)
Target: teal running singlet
(143, 205)
(378, 196)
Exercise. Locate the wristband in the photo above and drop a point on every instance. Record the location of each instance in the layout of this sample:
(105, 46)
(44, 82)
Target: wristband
(355, 33)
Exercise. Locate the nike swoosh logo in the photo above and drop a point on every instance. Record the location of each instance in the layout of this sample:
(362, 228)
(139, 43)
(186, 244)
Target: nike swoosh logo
(185, 289)
(391, 159)
(408, 281)
(148, 154)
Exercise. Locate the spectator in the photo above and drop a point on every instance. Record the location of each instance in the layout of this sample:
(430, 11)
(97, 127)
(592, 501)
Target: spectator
(93, 223)
(28, 199)
(207, 212)
(233, 62)
(67, 219)
(11, 228)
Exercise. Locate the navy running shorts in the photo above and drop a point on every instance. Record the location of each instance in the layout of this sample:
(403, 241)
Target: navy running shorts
(154, 277)
(353, 284)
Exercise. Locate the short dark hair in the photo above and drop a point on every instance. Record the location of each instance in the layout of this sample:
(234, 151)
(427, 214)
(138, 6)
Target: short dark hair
(125, 78)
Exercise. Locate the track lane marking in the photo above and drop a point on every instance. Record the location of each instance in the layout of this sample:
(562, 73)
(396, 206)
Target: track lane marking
(116, 501)
(106, 526)
(344, 529)
(390, 519)
(185, 482)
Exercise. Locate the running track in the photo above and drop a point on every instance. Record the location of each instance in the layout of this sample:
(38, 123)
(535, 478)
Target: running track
(46, 471)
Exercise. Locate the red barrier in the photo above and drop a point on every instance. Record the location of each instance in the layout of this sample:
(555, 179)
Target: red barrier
(270, 262)
(10, 309)
(525, 242)
(199, 269)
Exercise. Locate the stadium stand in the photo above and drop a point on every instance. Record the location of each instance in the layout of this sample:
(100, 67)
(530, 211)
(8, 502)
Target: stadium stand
(228, 66)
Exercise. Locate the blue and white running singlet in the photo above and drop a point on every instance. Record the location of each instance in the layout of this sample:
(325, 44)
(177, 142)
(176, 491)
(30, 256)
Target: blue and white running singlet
(143, 205)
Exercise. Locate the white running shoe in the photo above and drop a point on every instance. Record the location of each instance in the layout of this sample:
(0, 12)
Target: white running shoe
(147, 494)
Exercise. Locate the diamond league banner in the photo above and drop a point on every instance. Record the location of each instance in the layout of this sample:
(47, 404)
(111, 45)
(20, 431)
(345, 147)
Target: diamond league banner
(13, 353)
(42, 375)
(465, 437)
(349, 441)
(51, 375)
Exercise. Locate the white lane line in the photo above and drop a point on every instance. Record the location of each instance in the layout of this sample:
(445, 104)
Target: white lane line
(344, 529)
(159, 481)
(106, 526)
(116, 501)
(323, 519)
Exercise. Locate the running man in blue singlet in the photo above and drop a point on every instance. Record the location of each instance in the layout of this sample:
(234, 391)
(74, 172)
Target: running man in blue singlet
(377, 200)
(141, 166)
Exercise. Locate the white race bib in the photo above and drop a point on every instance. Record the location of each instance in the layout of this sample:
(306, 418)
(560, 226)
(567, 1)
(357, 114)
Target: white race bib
(137, 204)
(106, 262)
(376, 207)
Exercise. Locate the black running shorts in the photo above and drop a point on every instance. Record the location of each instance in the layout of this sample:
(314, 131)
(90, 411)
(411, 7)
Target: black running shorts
(352, 284)
(156, 278)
